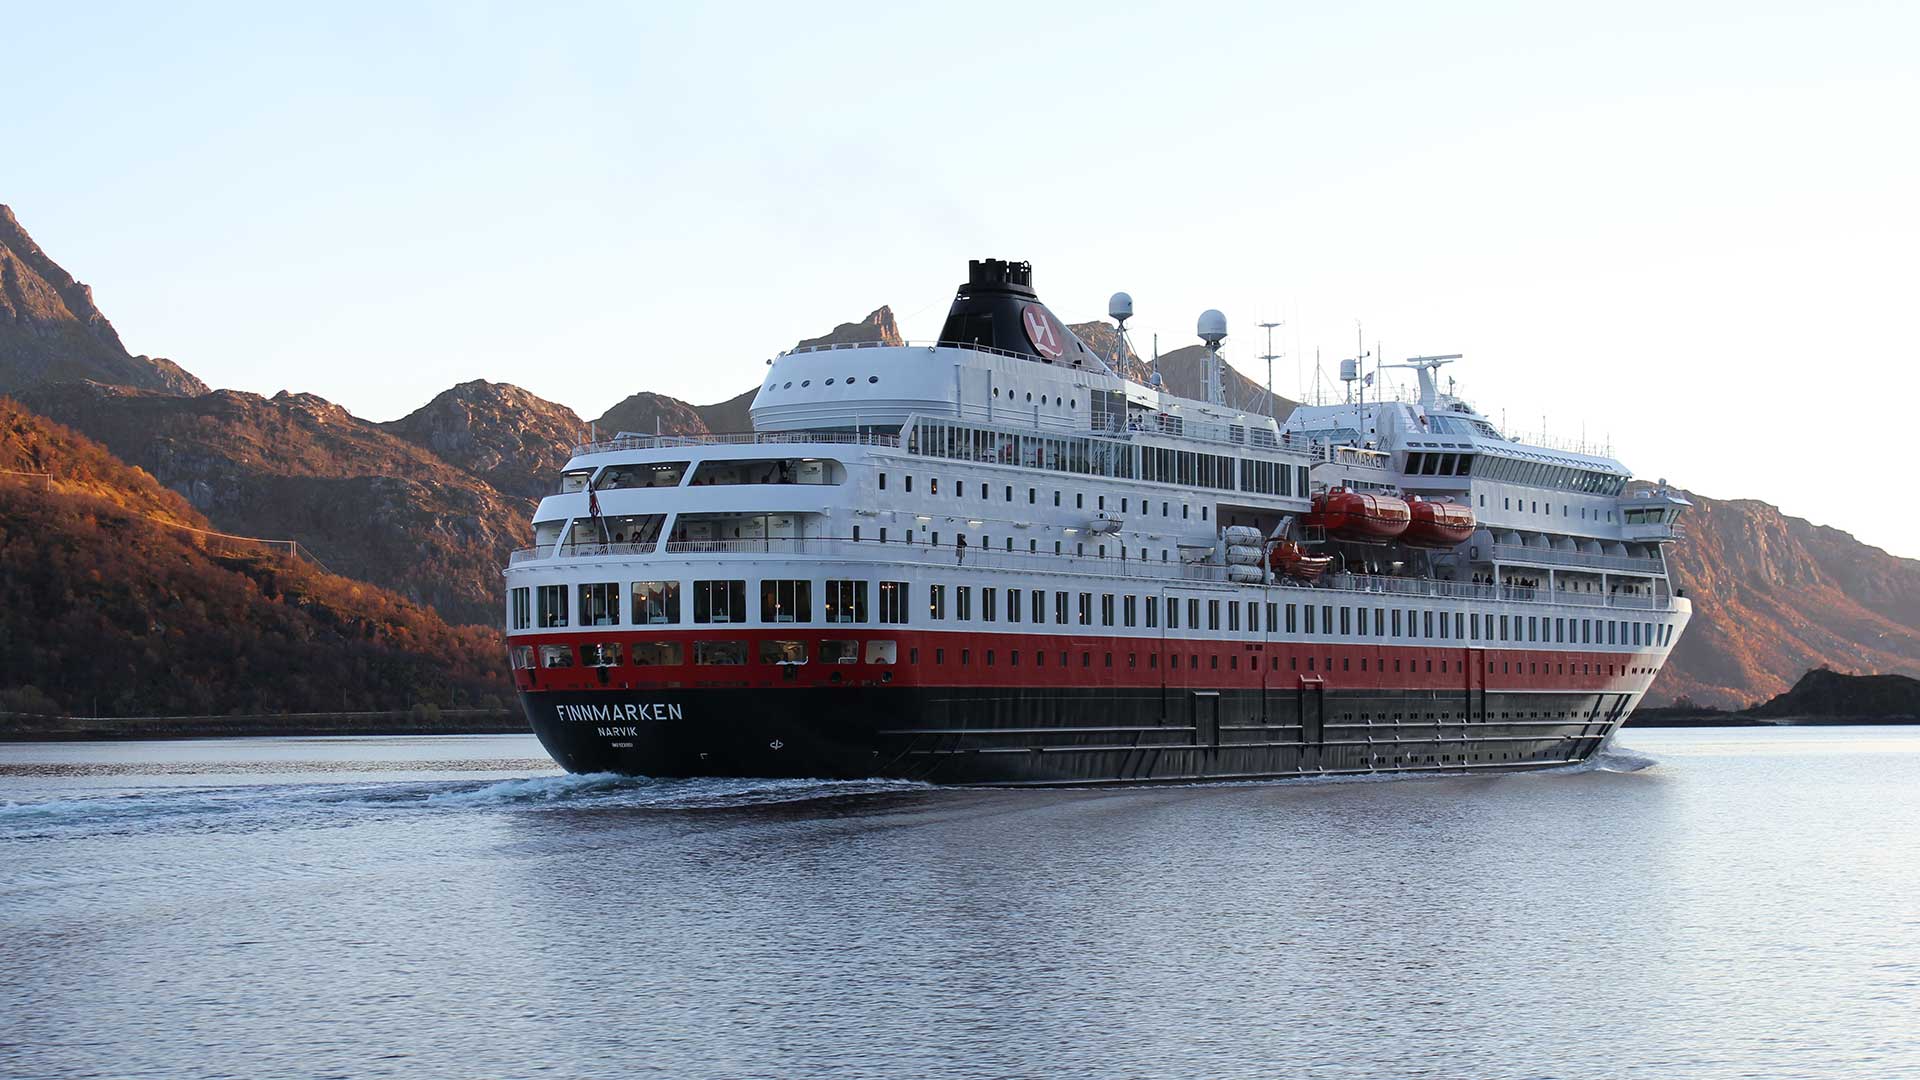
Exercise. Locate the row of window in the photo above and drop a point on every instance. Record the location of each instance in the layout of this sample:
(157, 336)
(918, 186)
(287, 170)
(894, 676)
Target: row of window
(1126, 502)
(1104, 457)
(655, 603)
(733, 653)
(658, 603)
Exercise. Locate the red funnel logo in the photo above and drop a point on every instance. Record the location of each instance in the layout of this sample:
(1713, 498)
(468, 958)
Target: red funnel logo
(1048, 339)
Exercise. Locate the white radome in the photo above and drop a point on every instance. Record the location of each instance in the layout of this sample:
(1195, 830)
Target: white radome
(1213, 326)
(1120, 307)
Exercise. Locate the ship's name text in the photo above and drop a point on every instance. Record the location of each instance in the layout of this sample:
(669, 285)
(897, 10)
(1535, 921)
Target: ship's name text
(602, 714)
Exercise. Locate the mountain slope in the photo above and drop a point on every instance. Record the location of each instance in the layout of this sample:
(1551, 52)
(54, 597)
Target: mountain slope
(50, 330)
(103, 604)
(1775, 596)
(514, 440)
(368, 503)
(1182, 371)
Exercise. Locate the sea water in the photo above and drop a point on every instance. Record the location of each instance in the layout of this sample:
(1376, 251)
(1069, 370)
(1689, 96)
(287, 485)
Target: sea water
(1714, 903)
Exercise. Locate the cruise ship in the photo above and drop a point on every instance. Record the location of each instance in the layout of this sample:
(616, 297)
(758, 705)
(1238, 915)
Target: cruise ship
(995, 559)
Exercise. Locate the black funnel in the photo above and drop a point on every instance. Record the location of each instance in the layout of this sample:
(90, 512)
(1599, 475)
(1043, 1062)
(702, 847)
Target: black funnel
(998, 309)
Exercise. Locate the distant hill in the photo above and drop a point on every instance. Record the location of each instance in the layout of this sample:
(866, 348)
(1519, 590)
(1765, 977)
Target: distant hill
(1829, 695)
(108, 600)
(368, 503)
(514, 440)
(652, 414)
(50, 331)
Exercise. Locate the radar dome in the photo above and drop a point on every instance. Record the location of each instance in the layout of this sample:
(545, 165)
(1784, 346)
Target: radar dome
(1213, 326)
(1120, 307)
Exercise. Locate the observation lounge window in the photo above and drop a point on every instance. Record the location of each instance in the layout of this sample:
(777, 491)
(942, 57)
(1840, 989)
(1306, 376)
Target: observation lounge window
(600, 604)
(520, 605)
(556, 656)
(719, 602)
(553, 605)
(786, 601)
(846, 601)
(783, 652)
(893, 602)
(655, 603)
(720, 653)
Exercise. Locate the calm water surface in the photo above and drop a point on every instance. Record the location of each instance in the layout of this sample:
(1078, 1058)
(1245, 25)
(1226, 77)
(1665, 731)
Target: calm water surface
(1728, 903)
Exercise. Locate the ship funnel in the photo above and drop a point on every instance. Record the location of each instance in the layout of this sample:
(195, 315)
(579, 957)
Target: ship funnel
(998, 309)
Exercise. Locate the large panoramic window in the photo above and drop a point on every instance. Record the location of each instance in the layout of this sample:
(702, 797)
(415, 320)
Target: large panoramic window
(553, 605)
(719, 602)
(600, 604)
(893, 601)
(656, 603)
(846, 601)
(786, 601)
(520, 603)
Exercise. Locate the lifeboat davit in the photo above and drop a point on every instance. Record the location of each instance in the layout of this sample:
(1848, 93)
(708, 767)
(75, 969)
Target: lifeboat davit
(1438, 524)
(1360, 516)
(1291, 560)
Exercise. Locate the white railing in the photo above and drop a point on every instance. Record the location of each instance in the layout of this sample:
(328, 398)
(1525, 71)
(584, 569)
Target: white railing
(627, 440)
(1111, 566)
(1581, 559)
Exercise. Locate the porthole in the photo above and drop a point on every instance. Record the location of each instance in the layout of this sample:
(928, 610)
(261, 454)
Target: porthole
(848, 380)
(1029, 395)
(788, 385)
(996, 391)
(829, 382)
(804, 383)
(873, 378)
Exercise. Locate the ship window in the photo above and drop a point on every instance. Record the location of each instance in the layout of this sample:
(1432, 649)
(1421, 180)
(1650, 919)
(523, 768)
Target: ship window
(989, 604)
(1013, 605)
(720, 653)
(786, 601)
(893, 602)
(846, 601)
(1060, 609)
(719, 601)
(1213, 614)
(556, 656)
(1253, 617)
(521, 604)
(1106, 609)
(520, 656)
(1326, 618)
(600, 604)
(881, 651)
(873, 378)
(657, 654)
(1173, 613)
(553, 605)
(783, 652)
(1086, 609)
(1039, 605)
(600, 654)
(839, 651)
(655, 602)
(657, 474)
(937, 601)
(1153, 611)
(1129, 609)
(574, 480)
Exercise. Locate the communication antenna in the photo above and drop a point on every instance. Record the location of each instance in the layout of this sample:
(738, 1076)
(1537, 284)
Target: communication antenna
(1270, 357)
(1212, 329)
(1120, 309)
(1350, 369)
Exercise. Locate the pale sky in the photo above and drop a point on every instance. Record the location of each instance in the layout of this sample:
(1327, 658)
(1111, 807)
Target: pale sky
(1690, 227)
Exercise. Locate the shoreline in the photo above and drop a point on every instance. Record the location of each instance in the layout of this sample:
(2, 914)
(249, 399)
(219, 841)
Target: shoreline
(17, 727)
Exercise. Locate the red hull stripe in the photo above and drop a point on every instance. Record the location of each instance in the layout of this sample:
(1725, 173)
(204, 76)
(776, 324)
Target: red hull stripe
(1039, 661)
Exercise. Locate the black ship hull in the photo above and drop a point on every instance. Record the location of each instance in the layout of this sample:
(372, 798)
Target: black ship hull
(1065, 736)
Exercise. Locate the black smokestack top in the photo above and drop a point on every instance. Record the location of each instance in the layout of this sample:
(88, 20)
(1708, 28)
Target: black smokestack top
(998, 275)
(997, 309)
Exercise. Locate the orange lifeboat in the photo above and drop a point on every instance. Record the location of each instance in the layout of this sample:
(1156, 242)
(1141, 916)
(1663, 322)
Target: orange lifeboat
(1359, 516)
(1292, 560)
(1438, 524)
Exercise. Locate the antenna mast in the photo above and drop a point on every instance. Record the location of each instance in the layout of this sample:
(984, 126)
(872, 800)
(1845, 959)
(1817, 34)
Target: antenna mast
(1270, 357)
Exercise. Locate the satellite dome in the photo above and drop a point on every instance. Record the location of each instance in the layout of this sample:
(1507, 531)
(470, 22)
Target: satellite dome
(1213, 326)
(1120, 307)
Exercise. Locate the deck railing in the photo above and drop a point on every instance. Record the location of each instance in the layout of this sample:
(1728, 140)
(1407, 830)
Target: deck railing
(1574, 559)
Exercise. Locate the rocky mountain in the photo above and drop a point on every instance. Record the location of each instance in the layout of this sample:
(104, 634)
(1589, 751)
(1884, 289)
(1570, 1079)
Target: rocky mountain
(368, 503)
(514, 440)
(1182, 371)
(877, 326)
(50, 330)
(650, 414)
(112, 597)
(1775, 596)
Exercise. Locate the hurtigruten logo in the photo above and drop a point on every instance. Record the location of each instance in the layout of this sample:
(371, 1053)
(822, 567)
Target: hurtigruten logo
(607, 714)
